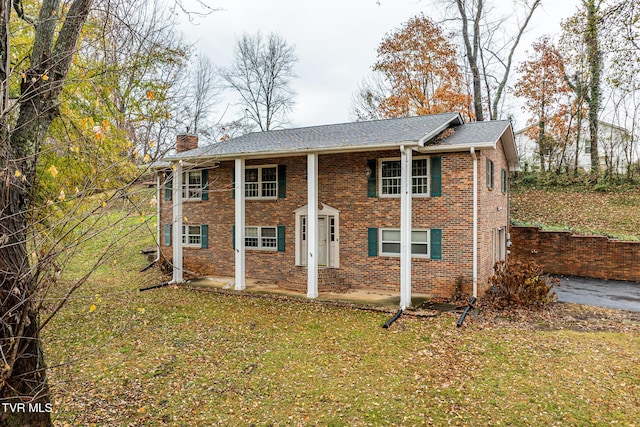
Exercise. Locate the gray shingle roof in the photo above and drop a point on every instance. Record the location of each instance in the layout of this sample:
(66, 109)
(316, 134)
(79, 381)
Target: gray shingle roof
(370, 135)
(477, 133)
(366, 134)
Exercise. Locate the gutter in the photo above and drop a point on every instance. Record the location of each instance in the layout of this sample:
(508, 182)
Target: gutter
(300, 152)
(475, 221)
(452, 148)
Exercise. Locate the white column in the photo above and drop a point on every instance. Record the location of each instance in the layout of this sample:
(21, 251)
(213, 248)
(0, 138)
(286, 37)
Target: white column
(239, 226)
(405, 227)
(312, 225)
(176, 232)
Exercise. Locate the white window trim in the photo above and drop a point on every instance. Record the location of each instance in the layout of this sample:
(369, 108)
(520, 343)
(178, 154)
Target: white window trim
(185, 236)
(260, 197)
(186, 188)
(397, 255)
(397, 159)
(260, 246)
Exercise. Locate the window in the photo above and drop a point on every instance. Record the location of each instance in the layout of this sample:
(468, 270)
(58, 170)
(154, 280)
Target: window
(391, 177)
(332, 228)
(261, 182)
(489, 174)
(191, 235)
(261, 238)
(390, 242)
(391, 171)
(503, 180)
(192, 185)
(587, 146)
(420, 176)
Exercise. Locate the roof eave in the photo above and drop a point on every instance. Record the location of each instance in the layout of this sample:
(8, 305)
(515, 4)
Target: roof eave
(453, 148)
(295, 152)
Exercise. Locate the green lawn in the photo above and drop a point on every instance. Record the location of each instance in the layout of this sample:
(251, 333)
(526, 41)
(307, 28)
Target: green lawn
(174, 356)
(616, 213)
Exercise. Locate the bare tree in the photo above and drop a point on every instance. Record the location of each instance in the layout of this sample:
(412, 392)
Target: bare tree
(365, 102)
(200, 97)
(489, 48)
(261, 73)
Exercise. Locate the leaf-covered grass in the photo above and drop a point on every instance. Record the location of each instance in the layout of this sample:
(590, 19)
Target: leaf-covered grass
(174, 356)
(615, 214)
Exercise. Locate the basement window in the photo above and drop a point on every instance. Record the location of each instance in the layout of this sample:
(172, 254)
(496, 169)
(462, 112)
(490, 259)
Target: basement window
(261, 238)
(192, 235)
(390, 242)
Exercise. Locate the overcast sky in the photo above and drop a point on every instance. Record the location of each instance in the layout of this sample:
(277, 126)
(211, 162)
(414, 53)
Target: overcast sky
(335, 41)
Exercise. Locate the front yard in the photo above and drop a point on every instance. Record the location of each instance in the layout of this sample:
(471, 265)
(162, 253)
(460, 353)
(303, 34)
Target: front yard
(175, 356)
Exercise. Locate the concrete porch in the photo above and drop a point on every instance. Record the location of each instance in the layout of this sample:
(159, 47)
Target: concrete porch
(380, 299)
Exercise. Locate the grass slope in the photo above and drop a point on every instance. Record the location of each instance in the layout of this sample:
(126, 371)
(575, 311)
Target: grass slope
(615, 214)
(174, 356)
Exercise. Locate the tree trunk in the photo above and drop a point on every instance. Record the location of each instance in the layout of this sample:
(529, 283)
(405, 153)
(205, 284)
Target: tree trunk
(594, 59)
(23, 385)
(24, 391)
(472, 54)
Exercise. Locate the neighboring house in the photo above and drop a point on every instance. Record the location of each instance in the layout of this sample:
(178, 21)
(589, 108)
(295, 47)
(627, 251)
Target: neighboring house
(615, 150)
(296, 206)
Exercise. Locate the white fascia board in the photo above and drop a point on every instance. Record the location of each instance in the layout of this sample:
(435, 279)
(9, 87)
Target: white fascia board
(456, 147)
(297, 152)
(511, 150)
(454, 120)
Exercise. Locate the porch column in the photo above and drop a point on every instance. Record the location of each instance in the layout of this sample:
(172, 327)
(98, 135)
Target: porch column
(176, 232)
(405, 226)
(312, 225)
(240, 225)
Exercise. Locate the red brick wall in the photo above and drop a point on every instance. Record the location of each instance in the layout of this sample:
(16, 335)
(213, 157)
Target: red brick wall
(492, 212)
(562, 252)
(343, 186)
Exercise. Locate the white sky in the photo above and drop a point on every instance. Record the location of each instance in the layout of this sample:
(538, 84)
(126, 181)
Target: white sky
(335, 42)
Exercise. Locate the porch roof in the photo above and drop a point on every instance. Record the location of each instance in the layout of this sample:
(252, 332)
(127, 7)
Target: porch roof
(419, 131)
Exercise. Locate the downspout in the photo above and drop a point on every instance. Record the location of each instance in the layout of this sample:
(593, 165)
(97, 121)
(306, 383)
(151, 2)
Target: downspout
(508, 244)
(475, 222)
(158, 225)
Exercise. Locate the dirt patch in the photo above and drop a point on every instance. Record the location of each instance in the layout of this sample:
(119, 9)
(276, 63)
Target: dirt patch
(559, 316)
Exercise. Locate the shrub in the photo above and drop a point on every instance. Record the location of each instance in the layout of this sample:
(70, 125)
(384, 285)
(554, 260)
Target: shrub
(518, 284)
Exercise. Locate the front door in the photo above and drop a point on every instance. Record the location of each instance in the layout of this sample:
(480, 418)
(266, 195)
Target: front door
(323, 248)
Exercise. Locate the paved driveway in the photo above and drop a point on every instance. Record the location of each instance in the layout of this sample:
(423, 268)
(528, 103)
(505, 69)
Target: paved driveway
(601, 293)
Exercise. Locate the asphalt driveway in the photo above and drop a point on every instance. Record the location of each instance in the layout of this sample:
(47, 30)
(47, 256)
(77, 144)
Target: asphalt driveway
(602, 293)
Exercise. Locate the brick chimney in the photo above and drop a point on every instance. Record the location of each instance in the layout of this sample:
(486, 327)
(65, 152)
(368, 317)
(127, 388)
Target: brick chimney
(186, 142)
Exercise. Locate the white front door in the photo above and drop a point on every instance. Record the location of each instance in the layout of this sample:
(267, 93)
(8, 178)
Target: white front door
(323, 248)
(328, 250)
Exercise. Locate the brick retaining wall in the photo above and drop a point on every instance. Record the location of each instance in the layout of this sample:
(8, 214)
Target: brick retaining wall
(562, 252)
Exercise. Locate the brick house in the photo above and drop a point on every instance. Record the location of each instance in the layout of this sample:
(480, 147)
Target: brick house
(331, 204)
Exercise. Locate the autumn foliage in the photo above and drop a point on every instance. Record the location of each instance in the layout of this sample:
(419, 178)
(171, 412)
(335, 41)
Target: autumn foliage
(518, 284)
(548, 100)
(419, 66)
